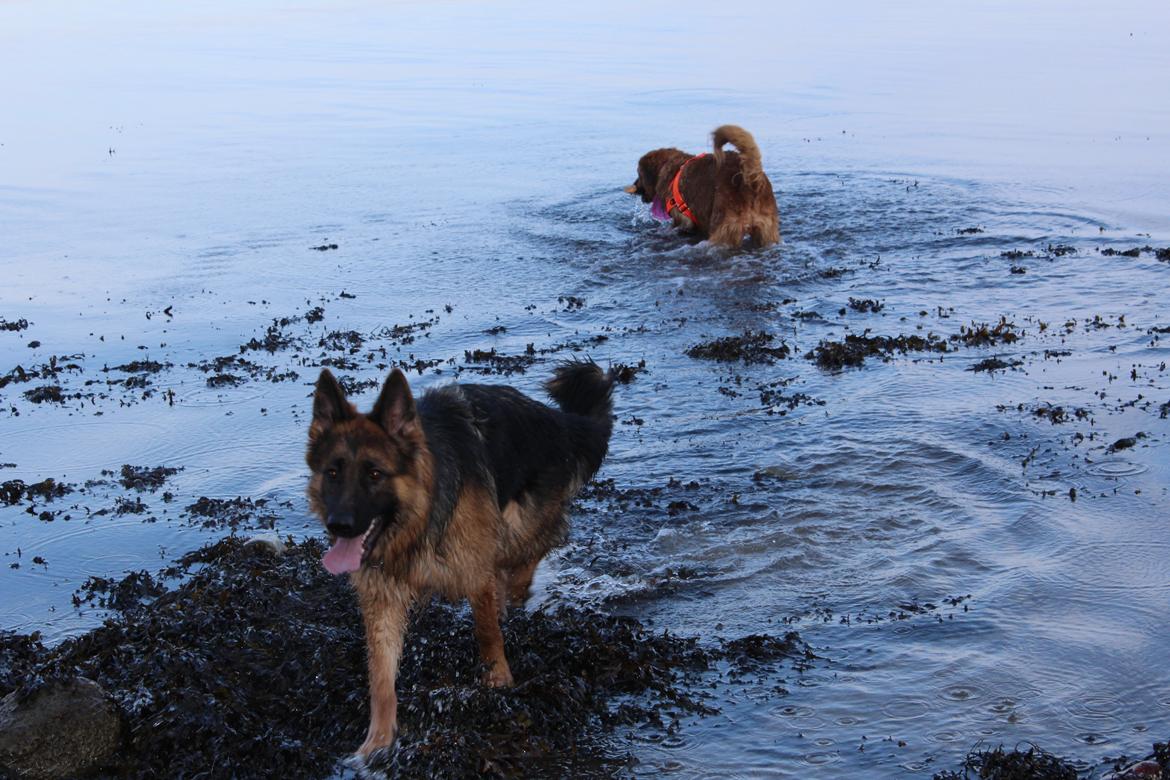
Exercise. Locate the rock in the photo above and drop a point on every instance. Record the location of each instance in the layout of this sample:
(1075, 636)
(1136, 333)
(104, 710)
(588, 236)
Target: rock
(63, 729)
(269, 541)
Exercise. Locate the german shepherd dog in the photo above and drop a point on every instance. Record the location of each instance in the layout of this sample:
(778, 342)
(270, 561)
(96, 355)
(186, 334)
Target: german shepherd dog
(724, 196)
(460, 493)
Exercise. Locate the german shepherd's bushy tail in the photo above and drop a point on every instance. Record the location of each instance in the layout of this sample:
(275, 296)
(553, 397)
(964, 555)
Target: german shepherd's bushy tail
(581, 387)
(750, 164)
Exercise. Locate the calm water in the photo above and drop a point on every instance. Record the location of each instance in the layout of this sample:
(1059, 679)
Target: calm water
(473, 157)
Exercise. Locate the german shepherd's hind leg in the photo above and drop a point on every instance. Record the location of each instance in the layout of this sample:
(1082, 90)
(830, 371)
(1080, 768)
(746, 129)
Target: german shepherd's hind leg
(502, 580)
(520, 583)
(385, 606)
(485, 610)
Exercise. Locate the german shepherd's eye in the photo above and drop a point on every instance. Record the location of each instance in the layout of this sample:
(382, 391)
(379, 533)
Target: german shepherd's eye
(331, 472)
(375, 475)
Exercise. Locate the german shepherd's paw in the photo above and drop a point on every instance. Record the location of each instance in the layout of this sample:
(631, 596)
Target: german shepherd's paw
(374, 748)
(498, 678)
(377, 764)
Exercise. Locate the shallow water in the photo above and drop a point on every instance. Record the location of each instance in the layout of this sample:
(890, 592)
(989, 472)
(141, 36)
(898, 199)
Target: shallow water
(473, 158)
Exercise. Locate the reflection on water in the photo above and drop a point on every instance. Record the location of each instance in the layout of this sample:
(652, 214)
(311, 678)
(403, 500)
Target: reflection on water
(969, 564)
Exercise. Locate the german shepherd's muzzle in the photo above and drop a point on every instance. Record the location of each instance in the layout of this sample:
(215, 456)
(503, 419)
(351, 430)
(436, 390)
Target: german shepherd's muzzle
(461, 493)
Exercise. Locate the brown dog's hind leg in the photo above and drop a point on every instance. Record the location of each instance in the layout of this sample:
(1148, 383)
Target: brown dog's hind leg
(485, 609)
(727, 234)
(520, 583)
(765, 234)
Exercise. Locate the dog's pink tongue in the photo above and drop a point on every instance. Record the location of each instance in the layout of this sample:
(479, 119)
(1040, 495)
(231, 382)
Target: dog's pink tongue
(344, 556)
(658, 210)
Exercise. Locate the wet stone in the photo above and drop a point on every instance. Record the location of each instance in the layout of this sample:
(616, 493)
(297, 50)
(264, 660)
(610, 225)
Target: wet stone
(58, 729)
(268, 541)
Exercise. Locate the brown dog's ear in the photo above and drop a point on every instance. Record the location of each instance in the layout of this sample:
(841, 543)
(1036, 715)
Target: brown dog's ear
(329, 404)
(394, 410)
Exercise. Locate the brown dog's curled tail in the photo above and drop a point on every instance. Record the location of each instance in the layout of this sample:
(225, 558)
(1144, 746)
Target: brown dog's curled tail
(750, 164)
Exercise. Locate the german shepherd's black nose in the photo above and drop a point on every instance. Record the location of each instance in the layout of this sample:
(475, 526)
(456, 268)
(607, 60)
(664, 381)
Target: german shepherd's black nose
(342, 524)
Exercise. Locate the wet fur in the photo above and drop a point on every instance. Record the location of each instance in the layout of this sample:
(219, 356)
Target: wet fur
(728, 192)
(472, 487)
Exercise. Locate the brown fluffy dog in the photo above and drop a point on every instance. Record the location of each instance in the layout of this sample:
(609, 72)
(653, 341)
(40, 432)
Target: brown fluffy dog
(461, 493)
(723, 196)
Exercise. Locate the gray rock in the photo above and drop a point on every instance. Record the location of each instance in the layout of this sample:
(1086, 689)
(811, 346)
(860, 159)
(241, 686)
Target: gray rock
(64, 729)
(268, 540)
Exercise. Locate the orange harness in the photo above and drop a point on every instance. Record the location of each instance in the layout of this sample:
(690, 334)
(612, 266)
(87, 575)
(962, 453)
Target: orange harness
(675, 201)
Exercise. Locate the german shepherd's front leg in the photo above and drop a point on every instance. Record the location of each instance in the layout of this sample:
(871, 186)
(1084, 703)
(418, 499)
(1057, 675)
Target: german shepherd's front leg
(385, 606)
(485, 610)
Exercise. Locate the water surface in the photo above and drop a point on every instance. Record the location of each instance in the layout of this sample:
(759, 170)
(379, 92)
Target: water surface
(911, 518)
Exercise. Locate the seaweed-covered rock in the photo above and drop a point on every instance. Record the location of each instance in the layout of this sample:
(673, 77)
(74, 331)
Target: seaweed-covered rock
(258, 661)
(59, 729)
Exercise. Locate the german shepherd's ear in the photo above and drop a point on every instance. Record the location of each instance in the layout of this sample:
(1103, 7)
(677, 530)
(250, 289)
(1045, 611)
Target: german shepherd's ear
(394, 409)
(329, 404)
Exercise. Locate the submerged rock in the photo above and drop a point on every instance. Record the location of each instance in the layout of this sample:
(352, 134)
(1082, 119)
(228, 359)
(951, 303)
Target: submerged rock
(59, 729)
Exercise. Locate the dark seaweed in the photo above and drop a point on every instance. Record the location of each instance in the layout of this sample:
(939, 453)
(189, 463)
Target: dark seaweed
(749, 348)
(259, 661)
(854, 349)
(624, 373)
(981, 334)
(492, 362)
(994, 364)
(233, 513)
(142, 478)
(14, 491)
(866, 305)
(1016, 764)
